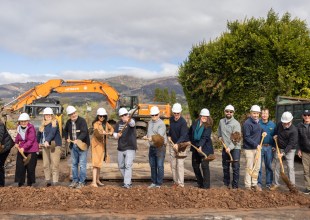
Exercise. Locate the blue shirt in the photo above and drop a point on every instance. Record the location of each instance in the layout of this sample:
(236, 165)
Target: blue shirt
(269, 128)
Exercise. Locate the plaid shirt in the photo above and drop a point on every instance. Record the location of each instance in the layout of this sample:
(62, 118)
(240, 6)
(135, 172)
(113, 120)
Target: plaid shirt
(73, 131)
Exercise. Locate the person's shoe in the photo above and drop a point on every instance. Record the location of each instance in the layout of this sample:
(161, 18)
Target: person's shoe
(157, 186)
(248, 188)
(100, 183)
(274, 187)
(73, 185)
(256, 188)
(48, 184)
(127, 186)
(306, 191)
(80, 186)
(152, 186)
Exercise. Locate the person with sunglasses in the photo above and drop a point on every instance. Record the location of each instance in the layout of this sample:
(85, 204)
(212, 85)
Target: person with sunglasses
(125, 132)
(157, 151)
(304, 147)
(98, 144)
(227, 126)
(178, 134)
(200, 136)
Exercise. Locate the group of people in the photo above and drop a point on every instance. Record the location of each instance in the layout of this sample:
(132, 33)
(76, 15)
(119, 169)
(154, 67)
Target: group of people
(258, 136)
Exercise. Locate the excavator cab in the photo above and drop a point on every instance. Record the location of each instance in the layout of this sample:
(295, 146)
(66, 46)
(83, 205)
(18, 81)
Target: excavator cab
(129, 102)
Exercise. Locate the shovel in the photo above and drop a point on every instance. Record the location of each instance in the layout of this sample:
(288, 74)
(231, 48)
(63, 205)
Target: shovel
(285, 179)
(26, 159)
(80, 144)
(207, 158)
(231, 158)
(252, 172)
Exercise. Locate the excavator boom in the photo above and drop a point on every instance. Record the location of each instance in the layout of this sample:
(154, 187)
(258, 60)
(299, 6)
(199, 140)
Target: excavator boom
(62, 86)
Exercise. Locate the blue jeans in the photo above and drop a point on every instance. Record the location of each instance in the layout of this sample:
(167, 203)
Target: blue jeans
(125, 162)
(157, 158)
(78, 157)
(267, 156)
(235, 153)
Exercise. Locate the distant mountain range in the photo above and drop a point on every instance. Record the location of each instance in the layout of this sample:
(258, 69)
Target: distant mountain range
(126, 85)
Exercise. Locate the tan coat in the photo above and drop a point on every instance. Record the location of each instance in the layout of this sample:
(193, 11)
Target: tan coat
(98, 142)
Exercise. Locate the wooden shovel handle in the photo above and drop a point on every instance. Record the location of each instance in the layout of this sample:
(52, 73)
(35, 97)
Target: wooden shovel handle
(231, 158)
(22, 153)
(200, 151)
(278, 152)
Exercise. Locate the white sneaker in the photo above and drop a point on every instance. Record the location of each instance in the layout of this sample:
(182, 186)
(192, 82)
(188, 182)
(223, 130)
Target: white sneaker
(152, 186)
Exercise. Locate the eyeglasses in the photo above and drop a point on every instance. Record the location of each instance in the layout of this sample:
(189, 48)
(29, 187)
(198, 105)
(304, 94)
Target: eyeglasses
(124, 115)
(306, 115)
(229, 111)
(176, 113)
(101, 116)
(154, 115)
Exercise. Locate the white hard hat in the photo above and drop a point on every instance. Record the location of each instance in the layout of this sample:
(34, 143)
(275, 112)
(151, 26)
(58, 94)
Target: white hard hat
(122, 111)
(286, 117)
(70, 109)
(229, 107)
(176, 108)
(101, 111)
(48, 111)
(255, 108)
(204, 112)
(24, 117)
(154, 110)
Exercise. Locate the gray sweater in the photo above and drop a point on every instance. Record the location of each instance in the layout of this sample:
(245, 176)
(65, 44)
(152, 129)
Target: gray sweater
(226, 127)
(156, 127)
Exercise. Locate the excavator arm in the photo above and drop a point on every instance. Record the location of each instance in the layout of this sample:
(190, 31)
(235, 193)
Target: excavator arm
(62, 86)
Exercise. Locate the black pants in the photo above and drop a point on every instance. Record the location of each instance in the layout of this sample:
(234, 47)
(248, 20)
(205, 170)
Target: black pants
(30, 169)
(3, 157)
(203, 178)
(235, 153)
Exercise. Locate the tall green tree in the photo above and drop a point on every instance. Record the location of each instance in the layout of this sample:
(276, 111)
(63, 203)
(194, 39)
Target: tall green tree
(251, 63)
(162, 95)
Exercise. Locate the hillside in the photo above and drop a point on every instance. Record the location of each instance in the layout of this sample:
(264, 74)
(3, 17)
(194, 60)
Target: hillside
(126, 85)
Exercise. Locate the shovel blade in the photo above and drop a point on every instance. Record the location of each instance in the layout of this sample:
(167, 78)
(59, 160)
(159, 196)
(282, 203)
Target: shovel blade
(26, 160)
(288, 183)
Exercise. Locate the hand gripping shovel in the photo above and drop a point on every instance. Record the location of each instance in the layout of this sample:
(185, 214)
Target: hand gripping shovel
(207, 158)
(26, 159)
(285, 179)
(231, 158)
(252, 172)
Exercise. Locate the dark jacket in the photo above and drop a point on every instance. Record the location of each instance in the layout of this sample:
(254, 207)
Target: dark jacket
(287, 137)
(205, 141)
(128, 140)
(81, 130)
(5, 138)
(252, 134)
(30, 143)
(178, 130)
(51, 133)
(303, 137)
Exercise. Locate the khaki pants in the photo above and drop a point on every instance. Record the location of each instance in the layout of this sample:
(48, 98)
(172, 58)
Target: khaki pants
(177, 167)
(51, 157)
(306, 165)
(250, 160)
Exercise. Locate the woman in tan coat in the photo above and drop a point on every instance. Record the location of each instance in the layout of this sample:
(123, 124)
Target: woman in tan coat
(98, 142)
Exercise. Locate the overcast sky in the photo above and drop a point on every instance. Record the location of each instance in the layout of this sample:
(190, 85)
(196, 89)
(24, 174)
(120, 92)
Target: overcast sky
(85, 39)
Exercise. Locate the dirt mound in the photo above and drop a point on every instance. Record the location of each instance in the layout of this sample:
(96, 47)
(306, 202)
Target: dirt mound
(140, 198)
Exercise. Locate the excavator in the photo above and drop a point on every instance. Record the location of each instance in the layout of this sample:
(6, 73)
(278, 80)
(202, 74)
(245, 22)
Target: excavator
(34, 100)
(62, 86)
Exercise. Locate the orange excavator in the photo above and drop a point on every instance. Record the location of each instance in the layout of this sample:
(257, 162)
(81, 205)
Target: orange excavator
(62, 86)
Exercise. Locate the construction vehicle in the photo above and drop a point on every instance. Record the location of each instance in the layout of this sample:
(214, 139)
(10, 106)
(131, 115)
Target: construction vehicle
(34, 100)
(291, 104)
(142, 116)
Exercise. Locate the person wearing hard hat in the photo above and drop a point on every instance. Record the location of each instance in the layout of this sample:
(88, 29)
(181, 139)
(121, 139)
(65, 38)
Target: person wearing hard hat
(49, 139)
(304, 147)
(157, 150)
(76, 130)
(177, 135)
(252, 134)
(6, 144)
(267, 149)
(200, 136)
(125, 132)
(99, 144)
(227, 127)
(26, 143)
(286, 135)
